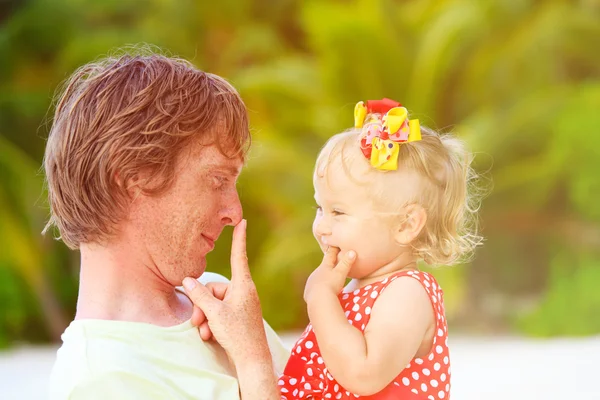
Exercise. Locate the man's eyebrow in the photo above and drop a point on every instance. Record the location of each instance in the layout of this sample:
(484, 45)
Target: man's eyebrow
(227, 168)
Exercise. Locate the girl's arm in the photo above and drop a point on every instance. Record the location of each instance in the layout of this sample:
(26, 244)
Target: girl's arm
(365, 363)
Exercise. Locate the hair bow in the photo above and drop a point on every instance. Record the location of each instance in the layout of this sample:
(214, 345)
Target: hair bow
(387, 127)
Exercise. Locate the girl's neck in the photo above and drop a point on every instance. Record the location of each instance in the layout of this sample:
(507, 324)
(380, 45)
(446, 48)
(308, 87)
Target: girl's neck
(404, 262)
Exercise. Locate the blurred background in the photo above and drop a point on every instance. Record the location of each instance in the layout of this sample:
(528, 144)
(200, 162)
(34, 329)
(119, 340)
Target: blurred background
(518, 80)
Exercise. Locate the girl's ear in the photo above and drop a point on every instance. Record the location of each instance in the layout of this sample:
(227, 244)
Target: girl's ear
(413, 224)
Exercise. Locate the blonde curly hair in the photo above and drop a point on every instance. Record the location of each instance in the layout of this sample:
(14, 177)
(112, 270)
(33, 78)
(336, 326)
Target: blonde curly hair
(448, 189)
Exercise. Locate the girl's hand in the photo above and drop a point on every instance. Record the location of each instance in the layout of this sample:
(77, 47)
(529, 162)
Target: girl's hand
(329, 277)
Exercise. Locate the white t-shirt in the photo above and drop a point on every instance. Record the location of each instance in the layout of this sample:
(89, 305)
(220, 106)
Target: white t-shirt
(129, 360)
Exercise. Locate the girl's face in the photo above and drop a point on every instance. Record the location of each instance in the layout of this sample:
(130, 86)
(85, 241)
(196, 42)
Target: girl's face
(345, 219)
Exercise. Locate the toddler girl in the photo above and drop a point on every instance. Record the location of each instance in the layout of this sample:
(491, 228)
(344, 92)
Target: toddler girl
(389, 193)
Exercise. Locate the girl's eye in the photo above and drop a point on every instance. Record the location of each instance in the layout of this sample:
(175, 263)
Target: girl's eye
(337, 212)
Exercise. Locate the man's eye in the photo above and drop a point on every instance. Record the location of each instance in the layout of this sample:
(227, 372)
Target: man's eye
(220, 180)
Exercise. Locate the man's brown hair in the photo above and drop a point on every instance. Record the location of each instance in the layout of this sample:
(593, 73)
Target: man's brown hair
(127, 114)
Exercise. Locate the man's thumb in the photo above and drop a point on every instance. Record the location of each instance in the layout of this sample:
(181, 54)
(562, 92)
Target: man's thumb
(200, 296)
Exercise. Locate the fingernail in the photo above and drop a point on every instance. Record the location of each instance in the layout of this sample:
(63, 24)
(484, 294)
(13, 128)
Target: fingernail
(189, 283)
(351, 255)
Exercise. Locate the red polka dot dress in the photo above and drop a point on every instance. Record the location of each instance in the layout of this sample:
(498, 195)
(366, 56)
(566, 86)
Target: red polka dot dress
(428, 378)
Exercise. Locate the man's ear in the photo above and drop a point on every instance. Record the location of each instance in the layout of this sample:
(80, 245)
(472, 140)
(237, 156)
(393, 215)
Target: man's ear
(132, 186)
(414, 220)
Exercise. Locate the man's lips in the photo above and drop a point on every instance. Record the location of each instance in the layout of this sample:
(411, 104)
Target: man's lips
(209, 240)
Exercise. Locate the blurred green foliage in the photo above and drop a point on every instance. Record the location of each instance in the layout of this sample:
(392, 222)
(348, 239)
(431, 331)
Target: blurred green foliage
(519, 80)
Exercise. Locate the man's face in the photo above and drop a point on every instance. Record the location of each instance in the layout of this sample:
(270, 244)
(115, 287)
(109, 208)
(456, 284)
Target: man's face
(178, 228)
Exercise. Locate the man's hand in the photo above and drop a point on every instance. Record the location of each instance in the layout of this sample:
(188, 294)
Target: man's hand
(218, 290)
(236, 323)
(330, 276)
(233, 311)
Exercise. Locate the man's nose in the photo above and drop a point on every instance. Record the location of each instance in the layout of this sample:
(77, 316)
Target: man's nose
(232, 211)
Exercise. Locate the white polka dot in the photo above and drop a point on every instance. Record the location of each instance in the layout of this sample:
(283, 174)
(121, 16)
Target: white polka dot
(423, 387)
(447, 387)
(347, 313)
(433, 383)
(298, 349)
(430, 358)
(284, 390)
(426, 283)
(405, 381)
(320, 360)
(308, 345)
(329, 376)
(426, 372)
(430, 397)
(436, 366)
(441, 394)
(368, 310)
(345, 296)
(295, 392)
(446, 360)
(443, 377)
(356, 299)
(411, 272)
(368, 287)
(418, 361)
(439, 349)
(355, 308)
(280, 382)
(407, 365)
(433, 299)
(293, 381)
(440, 332)
(414, 391)
(415, 375)
(321, 385)
(338, 396)
(309, 372)
(328, 395)
(301, 394)
(374, 294)
(357, 317)
(357, 291)
(383, 282)
(336, 387)
(362, 327)
(307, 386)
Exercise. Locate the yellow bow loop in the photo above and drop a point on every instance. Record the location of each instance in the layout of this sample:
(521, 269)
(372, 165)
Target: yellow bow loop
(360, 112)
(393, 119)
(415, 130)
(384, 154)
